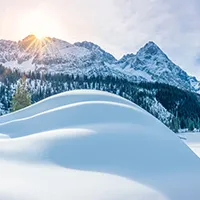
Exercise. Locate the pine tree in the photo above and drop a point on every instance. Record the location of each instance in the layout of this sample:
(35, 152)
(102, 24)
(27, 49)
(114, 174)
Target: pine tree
(21, 97)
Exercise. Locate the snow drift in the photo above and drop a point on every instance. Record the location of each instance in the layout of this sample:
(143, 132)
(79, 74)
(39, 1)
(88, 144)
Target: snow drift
(65, 98)
(93, 145)
(192, 139)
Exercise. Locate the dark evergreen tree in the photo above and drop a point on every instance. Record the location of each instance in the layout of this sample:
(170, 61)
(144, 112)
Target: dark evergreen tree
(21, 97)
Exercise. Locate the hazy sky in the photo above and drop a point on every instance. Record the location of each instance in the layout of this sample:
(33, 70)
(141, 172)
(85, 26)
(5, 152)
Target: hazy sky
(118, 26)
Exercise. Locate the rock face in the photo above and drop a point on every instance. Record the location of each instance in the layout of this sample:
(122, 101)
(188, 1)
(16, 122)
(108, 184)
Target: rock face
(52, 55)
(151, 63)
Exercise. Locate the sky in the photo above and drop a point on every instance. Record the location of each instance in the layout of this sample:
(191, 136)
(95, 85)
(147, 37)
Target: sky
(118, 26)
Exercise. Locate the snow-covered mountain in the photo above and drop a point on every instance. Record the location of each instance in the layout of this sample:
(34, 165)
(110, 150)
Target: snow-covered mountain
(85, 58)
(151, 63)
(79, 153)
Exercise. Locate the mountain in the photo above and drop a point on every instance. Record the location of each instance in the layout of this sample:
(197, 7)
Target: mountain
(148, 78)
(79, 152)
(99, 53)
(149, 64)
(56, 56)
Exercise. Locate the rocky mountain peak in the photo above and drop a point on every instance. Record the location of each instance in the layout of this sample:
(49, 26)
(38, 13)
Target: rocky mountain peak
(30, 44)
(58, 56)
(97, 50)
(150, 50)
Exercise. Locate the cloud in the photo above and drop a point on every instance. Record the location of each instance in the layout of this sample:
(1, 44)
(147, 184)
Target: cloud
(174, 25)
(198, 60)
(120, 26)
(123, 26)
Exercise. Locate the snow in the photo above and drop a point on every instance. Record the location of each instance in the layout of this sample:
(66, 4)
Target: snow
(138, 73)
(57, 56)
(63, 99)
(192, 139)
(25, 66)
(67, 184)
(157, 109)
(59, 48)
(93, 145)
(3, 136)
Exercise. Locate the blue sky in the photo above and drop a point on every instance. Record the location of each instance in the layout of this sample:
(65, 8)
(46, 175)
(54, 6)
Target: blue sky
(118, 26)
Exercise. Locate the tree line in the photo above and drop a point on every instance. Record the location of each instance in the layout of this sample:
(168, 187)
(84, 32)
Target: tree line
(182, 107)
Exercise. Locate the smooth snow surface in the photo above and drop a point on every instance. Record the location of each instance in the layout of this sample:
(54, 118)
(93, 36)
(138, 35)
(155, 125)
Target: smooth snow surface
(192, 140)
(63, 99)
(3, 136)
(96, 146)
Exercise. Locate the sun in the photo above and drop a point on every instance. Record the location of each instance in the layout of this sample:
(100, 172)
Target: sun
(40, 23)
(39, 36)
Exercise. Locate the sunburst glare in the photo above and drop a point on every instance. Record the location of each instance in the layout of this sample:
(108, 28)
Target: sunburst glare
(39, 23)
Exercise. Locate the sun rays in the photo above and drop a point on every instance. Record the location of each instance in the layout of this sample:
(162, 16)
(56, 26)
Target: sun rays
(40, 22)
(38, 49)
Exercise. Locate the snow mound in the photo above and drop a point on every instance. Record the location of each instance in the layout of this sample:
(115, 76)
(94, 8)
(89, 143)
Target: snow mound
(93, 145)
(3, 136)
(63, 99)
(84, 114)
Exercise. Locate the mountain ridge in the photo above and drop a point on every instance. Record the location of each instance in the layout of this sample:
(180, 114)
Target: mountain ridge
(52, 55)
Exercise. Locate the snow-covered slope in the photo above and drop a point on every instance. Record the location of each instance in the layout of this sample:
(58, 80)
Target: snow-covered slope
(85, 58)
(63, 99)
(94, 146)
(57, 56)
(152, 64)
(192, 139)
